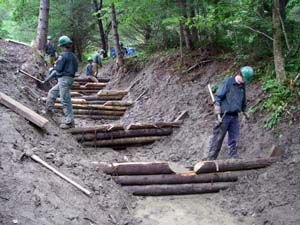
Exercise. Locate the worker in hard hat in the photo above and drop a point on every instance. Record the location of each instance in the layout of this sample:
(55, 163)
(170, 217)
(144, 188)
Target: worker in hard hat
(230, 99)
(50, 51)
(89, 71)
(66, 66)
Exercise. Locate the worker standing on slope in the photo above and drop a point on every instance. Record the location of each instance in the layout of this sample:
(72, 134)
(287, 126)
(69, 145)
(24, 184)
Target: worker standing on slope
(66, 66)
(50, 51)
(230, 99)
(89, 71)
(97, 64)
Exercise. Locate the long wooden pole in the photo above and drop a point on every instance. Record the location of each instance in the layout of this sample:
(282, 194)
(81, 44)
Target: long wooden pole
(176, 178)
(175, 189)
(29, 75)
(42, 162)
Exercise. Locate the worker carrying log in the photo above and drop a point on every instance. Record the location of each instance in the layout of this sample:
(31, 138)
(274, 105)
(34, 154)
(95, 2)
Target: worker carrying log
(230, 99)
(89, 71)
(66, 66)
(97, 64)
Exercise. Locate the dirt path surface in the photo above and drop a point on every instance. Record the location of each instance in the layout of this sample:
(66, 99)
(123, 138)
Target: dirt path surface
(31, 194)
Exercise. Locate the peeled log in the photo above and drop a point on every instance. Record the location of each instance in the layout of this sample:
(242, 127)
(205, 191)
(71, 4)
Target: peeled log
(232, 165)
(97, 117)
(75, 93)
(98, 112)
(97, 98)
(185, 178)
(101, 85)
(135, 168)
(123, 134)
(134, 126)
(176, 189)
(122, 141)
(86, 80)
(88, 106)
(102, 128)
(118, 103)
(112, 92)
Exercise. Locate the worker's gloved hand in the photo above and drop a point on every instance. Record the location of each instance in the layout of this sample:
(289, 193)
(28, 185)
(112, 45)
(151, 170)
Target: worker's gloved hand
(217, 111)
(246, 115)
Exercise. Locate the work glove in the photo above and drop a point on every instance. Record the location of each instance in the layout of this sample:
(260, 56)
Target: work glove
(217, 111)
(246, 115)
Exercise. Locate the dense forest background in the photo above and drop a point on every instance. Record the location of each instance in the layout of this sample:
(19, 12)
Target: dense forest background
(262, 33)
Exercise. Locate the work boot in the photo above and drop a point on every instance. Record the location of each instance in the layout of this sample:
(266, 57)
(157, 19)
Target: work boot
(48, 113)
(67, 125)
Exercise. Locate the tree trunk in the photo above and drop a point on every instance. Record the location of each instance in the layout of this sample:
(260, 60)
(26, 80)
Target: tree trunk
(124, 134)
(277, 49)
(175, 178)
(135, 168)
(176, 189)
(232, 165)
(122, 141)
(42, 28)
(100, 26)
(186, 31)
(193, 29)
(120, 59)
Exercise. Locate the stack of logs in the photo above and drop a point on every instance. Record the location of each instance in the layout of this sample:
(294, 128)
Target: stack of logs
(119, 137)
(158, 178)
(89, 101)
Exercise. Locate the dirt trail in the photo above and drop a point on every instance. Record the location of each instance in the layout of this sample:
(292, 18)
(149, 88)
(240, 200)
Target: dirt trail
(33, 195)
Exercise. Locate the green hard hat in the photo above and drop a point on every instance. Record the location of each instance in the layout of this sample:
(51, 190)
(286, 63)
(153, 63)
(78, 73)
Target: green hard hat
(64, 40)
(90, 59)
(247, 73)
(49, 37)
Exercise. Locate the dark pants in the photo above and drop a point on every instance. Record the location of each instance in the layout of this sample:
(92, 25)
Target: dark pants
(231, 125)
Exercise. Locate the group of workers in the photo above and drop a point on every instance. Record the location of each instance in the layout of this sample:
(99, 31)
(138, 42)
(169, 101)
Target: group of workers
(230, 97)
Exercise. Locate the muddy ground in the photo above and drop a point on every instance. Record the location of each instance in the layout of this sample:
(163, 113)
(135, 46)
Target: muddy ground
(30, 194)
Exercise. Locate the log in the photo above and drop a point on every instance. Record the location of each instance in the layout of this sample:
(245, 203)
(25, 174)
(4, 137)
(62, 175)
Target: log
(118, 103)
(145, 125)
(98, 112)
(23, 110)
(88, 106)
(123, 134)
(112, 92)
(232, 165)
(97, 117)
(102, 128)
(176, 189)
(75, 85)
(97, 98)
(75, 93)
(97, 85)
(84, 91)
(122, 141)
(176, 178)
(18, 42)
(135, 168)
(73, 100)
(86, 80)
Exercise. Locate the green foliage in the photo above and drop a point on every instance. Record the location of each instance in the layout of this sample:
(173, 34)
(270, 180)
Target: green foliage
(276, 101)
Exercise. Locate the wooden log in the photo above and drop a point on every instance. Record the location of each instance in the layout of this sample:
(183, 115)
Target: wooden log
(102, 128)
(96, 85)
(84, 91)
(118, 103)
(75, 93)
(97, 117)
(73, 100)
(112, 92)
(86, 80)
(96, 102)
(18, 42)
(135, 168)
(122, 141)
(106, 98)
(176, 189)
(232, 165)
(145, 125)
(75, 85)
(23, 110)
(123, 134)
(88, 106)
(184, 178)
(98, 112)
